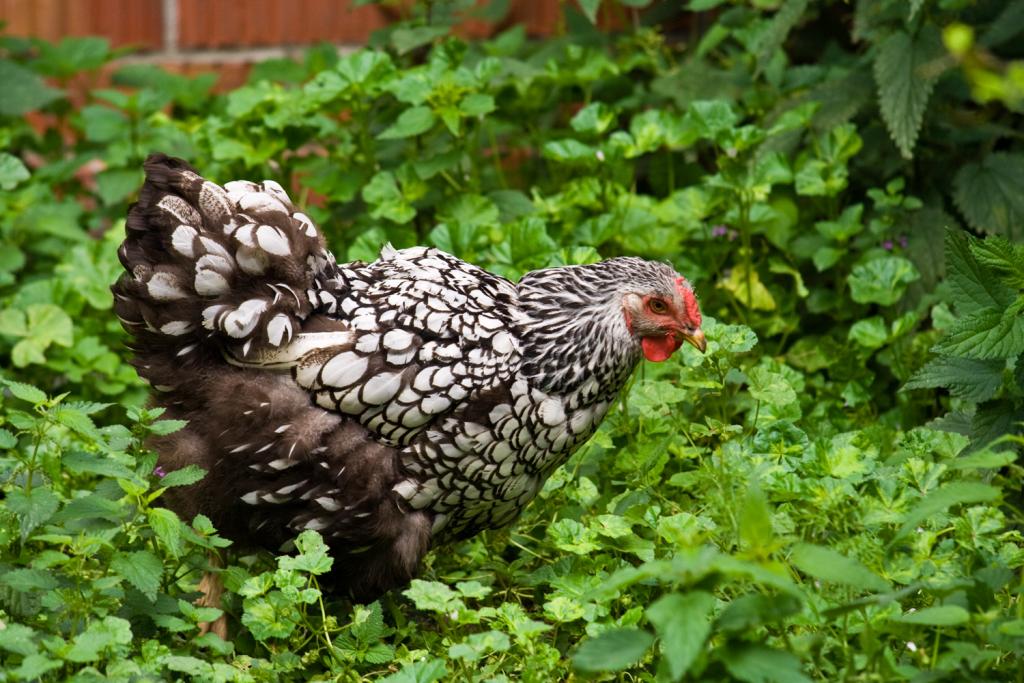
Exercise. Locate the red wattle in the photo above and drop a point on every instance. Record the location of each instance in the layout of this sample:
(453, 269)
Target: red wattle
(658, 349)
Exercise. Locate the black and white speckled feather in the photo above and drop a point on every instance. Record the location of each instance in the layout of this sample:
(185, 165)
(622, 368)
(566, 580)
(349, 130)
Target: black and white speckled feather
(389, 405)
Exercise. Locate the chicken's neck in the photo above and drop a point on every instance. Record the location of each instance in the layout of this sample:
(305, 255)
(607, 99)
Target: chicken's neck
(576, 343)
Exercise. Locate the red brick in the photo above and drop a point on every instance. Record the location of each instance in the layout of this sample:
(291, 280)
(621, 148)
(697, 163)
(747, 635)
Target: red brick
(241, 23)
(132, 22)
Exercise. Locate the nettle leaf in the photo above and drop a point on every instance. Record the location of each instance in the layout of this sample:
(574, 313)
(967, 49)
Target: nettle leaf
(967, 378)
(904, 72)
(613, 650)
(774, 36)
(881, 280)
(26, 392)
(985, 335)
(828, 565)
(142, 569)
(185, 476)
(988, 194)
(33, 508)
(1001, 255)
(100, 637)
(973, 283)
(683, 624)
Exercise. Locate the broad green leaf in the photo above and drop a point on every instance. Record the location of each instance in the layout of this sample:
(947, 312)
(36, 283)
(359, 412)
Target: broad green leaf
(770, 387)
(115, 185)
(988, 194)
(613, 650)
(19, 639)
(103, 124)
(593, 119)
(427, 671)
(411, 122)
(881, 280)
(23, 90)
(828, 565)
(967, 378)
(382, 193)
(313, 555)
(141, 568)
(871, 333)
(682, 623)
(98, 638)
(12, 171)
(760, 664)
(984, 336)
(407, 39)
(942, 615)
(748, 289)
(433, 596)
(945, 497)
(905, 75)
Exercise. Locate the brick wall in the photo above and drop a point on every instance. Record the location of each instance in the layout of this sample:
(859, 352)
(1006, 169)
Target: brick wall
(191, 36)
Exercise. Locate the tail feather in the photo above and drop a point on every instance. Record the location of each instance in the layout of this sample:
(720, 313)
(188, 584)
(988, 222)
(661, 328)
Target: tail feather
(211, 268)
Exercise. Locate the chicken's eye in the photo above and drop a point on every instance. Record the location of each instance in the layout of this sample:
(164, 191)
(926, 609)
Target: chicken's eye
(657, 306)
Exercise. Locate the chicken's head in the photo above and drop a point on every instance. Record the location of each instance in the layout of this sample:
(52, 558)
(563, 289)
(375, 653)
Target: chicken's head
(663, 314)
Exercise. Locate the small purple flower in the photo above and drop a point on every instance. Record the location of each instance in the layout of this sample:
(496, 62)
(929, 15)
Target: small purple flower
(903, 241)
(719, 231)
(159, 471)
(887, 245)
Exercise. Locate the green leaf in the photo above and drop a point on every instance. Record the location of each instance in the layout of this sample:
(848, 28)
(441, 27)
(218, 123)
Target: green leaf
(967, 378)
(185, 476)
(32, 509)
(871, 333)
(905, 75)
(168, 528)
(828, 565)
(19, 639)
(23, 91)
(988, 194)
(974, 284)
(433, 596)
(142, 569)
(407, 39)
(46, 324)
(590, 8)
(115, 185)
(593, 119)
(99, 637)
(942, 615)
(12, 171)
(613, 650)
(427, 671)
(760, 664)
(26, 392)
(382, 193)
(770, 387)
(881, 280)
(778, 29)
(985, 335)
(313, 557)
(945, 497)
(683, 624)
(411, 122)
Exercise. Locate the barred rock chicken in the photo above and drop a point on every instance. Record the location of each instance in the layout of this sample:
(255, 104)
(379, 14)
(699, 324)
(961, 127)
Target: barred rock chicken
(391, 406)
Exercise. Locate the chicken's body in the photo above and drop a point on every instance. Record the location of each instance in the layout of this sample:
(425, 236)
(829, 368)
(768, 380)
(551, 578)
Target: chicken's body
(389, 406)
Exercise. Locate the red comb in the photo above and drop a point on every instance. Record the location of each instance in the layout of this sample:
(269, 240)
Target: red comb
(689, 301)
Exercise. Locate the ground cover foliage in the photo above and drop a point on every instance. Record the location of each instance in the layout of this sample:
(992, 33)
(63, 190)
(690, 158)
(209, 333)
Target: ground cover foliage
(817, 498)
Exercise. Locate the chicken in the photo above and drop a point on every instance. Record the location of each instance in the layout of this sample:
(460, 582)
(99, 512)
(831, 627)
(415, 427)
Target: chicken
(390, 406)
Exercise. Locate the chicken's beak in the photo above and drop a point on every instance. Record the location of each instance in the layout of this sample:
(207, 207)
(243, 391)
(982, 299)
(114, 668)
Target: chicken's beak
(697, 339)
